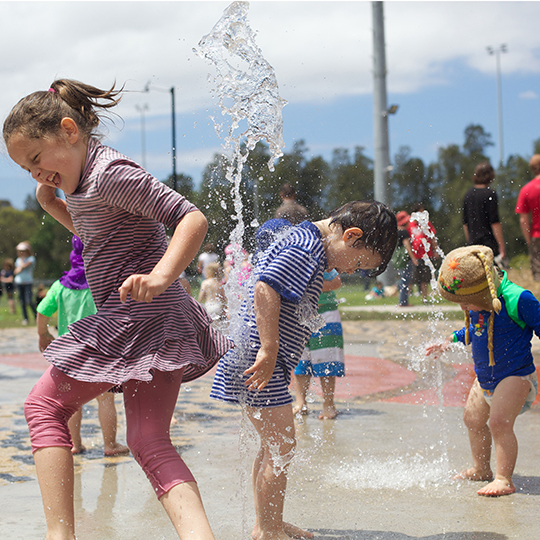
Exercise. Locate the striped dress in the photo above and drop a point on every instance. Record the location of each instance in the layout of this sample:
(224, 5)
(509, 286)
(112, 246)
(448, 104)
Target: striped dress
(119, 211)
(293, 266)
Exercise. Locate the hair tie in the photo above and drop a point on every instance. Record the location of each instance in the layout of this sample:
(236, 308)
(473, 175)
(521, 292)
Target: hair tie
(52, 90)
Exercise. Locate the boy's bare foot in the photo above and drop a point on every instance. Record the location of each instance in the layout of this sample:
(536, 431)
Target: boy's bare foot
(474, 474)
(328, 414)
(75, 450)
(116, 450)
(499, 486)
(300, 409)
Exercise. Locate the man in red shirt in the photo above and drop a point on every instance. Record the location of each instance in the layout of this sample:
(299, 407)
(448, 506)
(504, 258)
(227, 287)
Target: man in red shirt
(528, 208)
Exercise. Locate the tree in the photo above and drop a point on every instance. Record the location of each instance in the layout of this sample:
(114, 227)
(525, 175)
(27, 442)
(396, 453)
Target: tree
(409, 181)
(350, 180)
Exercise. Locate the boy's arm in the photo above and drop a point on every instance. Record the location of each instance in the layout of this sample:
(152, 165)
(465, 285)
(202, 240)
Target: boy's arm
(267, 310)
(54, 206)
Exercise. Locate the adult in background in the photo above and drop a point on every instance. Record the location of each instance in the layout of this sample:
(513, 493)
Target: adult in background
(528, 208)
(290, 209)
(24, 278)
(481, 223)
(403, 259)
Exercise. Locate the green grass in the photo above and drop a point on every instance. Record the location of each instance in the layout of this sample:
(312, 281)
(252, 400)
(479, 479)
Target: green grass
(9, 320)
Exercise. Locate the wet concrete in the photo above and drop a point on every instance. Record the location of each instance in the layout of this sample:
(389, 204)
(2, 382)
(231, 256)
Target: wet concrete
(382, 470)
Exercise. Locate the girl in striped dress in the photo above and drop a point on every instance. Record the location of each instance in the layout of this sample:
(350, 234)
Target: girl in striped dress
(278, 318)
(148, 334)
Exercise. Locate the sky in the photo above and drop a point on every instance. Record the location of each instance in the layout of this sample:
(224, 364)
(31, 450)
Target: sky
(439, 73)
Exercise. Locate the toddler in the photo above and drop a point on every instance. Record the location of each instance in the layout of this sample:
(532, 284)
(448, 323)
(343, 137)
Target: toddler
(500, 318)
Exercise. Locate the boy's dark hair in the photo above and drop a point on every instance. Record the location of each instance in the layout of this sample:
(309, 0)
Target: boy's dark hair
(483, 173)
(378, 224)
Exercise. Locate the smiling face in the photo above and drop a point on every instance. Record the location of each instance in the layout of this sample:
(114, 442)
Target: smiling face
(345, 258)
(55, 161)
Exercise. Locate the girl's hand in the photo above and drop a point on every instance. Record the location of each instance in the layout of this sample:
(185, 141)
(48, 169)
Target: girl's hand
(261, 371)
(142, 288)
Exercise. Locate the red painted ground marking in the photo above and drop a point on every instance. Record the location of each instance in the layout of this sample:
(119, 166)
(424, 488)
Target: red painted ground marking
(364, 376)
(34, 361)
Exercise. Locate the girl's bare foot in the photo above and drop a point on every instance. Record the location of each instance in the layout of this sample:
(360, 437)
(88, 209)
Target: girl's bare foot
(296, 532)
(300, 409)
(75, 450)
(328, 413)
(116, 450)
(477, 475)
(288, 533)
(499, 486)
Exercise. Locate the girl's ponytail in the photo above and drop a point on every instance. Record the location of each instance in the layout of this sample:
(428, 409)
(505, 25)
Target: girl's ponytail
(40, 113)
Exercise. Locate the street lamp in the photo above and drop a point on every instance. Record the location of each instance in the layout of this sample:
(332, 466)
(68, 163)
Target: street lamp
(142, 109)
(497, 52)
(147, 88)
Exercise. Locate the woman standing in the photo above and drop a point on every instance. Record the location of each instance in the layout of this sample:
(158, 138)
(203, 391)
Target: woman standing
(24, 278)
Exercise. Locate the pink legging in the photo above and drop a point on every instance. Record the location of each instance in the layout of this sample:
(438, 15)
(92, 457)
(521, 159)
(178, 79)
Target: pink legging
(149, 408)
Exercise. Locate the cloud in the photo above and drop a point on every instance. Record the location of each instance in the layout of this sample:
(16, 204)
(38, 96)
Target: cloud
(320, 50)
(529, 94)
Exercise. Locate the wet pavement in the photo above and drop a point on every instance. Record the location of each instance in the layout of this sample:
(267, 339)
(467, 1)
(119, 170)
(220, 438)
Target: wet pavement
(381, 471)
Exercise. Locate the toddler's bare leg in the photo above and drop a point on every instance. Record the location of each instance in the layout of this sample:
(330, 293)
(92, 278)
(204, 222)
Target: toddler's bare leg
(328, 385)
(301, 383)
(74, 425)
(476, 416)
(107, 420)
(508, 400)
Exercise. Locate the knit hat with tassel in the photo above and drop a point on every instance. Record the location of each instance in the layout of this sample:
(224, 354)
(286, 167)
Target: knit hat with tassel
(467, 277)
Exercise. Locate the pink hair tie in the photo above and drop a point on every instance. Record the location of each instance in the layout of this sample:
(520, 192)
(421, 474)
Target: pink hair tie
(52, 90)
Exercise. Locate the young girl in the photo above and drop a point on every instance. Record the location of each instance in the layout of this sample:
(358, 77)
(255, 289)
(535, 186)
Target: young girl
(279, 317)
(212, 295)
(500, 318)
(323, 356)
(148, 334)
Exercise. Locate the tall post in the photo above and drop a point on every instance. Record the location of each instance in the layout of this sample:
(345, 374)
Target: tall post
(497, 52)
(174, 183)
(380, 112)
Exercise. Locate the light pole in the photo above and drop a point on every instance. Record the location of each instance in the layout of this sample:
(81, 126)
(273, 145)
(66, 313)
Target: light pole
(147, 88)
(142, 109)
(497, 52)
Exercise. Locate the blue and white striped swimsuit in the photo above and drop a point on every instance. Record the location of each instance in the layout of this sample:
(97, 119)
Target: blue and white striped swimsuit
(293, 266)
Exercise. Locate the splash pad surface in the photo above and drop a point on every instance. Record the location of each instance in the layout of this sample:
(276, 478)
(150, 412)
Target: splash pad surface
(378, 472)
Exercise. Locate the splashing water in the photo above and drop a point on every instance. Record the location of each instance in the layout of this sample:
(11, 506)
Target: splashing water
(247, 91)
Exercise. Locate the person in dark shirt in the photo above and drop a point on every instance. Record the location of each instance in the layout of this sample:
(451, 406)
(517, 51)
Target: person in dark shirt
(481, 223)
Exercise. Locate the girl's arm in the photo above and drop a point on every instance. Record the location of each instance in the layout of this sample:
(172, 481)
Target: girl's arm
(185, 244)
(267, 310)
(54, 206)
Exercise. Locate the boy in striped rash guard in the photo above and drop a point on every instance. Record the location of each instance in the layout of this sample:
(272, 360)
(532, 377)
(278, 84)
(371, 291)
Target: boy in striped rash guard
(279, 316)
